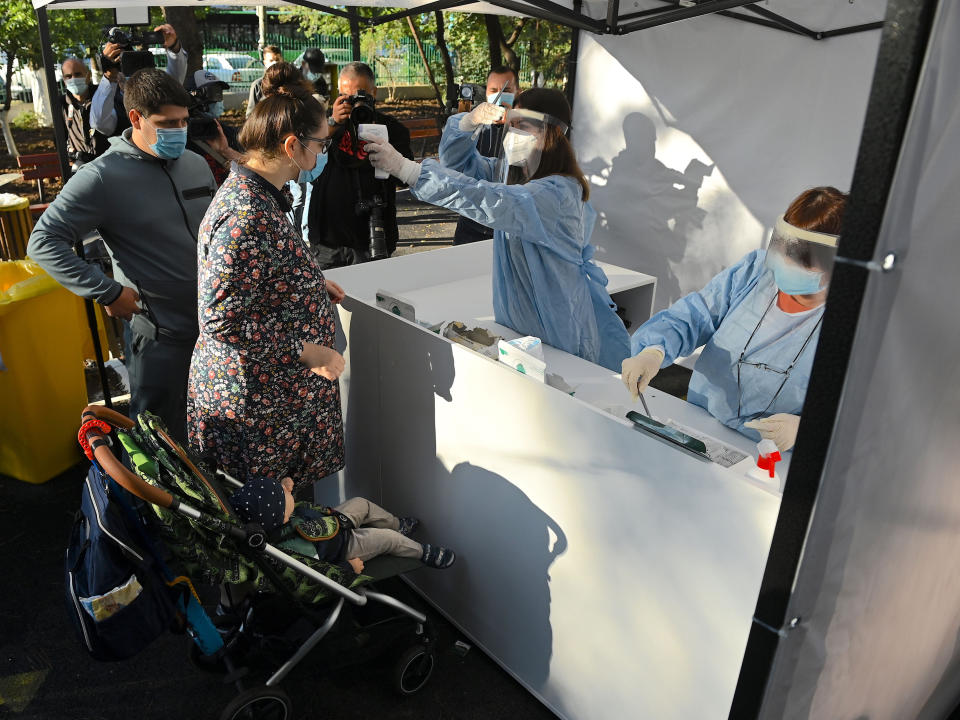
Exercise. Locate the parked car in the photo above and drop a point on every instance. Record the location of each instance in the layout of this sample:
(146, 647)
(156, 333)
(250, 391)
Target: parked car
(238, 70)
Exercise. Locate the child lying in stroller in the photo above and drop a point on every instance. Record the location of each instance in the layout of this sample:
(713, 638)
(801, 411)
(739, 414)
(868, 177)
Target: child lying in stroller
(352, 532)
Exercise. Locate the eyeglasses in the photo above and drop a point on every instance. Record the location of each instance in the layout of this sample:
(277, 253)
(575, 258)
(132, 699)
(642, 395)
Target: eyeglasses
(324, 142)
(768, 368)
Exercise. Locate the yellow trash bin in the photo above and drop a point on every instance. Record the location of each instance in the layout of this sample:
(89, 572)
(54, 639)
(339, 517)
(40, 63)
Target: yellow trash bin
(15, 226)
(42, 384)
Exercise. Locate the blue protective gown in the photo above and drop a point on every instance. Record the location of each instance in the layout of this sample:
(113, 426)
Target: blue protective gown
(544, 281)
(722, 317)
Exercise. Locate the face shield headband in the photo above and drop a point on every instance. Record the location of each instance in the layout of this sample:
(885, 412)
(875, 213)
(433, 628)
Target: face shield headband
(522, 144)
(801, 260)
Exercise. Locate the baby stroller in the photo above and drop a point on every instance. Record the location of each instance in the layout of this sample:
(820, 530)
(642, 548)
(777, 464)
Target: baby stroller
(144, 541)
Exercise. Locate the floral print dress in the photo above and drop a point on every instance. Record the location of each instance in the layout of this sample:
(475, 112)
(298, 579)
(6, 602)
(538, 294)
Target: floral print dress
(253, 408)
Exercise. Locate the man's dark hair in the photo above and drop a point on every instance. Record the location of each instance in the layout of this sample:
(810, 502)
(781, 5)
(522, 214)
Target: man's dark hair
(359, 68)
(500, 69)
(149, 89)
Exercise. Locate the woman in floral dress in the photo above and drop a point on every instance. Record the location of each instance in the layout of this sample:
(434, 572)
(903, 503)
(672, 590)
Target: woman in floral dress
(264, 398)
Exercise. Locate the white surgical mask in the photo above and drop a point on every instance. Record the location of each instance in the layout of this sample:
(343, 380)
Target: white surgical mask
(76, 86)
(518, 146)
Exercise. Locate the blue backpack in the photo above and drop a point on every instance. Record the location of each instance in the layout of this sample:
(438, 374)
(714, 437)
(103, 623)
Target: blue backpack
(117, 596)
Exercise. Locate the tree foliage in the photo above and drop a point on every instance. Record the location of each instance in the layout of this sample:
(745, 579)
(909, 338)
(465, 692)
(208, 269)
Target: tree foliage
(534, 46)
(73, 33)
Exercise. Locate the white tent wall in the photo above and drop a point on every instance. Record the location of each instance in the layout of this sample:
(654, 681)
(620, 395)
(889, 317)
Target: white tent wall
(879, 584)
(697, 135)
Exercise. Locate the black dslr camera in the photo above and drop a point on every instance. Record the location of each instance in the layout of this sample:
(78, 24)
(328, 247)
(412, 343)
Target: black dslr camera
(362, 111)
(378, 237)
(201, 125)
(130, 60)
(472, 93)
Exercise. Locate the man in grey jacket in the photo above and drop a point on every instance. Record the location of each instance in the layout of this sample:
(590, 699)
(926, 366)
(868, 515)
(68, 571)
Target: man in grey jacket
(146, 196)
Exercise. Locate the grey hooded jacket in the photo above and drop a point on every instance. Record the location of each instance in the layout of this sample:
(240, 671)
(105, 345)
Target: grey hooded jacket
(148, 211)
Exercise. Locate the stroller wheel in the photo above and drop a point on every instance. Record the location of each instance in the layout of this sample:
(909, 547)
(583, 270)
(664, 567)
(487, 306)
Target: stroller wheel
(261, 703)
(413, 669)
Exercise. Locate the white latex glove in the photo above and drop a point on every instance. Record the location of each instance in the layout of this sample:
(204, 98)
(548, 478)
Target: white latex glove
(781, 428)
(385, 156)
(482, 114)
(639, 370)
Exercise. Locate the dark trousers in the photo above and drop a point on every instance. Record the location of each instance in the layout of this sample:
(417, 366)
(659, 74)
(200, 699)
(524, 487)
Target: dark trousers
(158, 371)
(469, 231)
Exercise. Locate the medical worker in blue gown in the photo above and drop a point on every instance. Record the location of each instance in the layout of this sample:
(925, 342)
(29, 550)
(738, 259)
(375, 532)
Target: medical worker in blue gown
(534, 196)
(758, 321)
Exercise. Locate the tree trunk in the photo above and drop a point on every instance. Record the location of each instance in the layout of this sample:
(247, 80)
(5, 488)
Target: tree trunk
(7, 134)
(354, 32)
(423, 56)
(41, 100)
(501, 47)
(494, 39)
(447, 62)
(11, 58)
(185, 23)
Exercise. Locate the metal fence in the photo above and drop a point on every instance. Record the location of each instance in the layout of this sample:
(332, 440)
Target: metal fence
(396, 64)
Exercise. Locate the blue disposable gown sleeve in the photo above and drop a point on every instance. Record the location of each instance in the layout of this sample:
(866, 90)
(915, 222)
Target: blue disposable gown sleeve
(458, 151)
(693, 319)
(515, 209)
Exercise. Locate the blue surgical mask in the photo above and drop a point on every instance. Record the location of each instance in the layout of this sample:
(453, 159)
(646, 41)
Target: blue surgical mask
(312, 174)
(505, 99)
(311, 76)
(76, 86)
(216, 109)
(792, 279)
(171, 142)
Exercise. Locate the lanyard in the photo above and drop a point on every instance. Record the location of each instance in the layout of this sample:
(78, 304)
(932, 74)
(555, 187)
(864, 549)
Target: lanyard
(764, 366)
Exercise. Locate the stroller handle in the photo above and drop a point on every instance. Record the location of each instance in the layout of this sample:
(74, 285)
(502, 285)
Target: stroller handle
(113, 467)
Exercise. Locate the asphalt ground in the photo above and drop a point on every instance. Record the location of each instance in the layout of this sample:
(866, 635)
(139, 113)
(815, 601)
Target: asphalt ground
(46, 674)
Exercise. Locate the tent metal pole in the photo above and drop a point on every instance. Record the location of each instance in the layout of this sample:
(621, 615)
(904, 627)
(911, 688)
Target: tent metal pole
(682, 13)
(322, 8)
(899, 61)
(852, 29)
(780, 20)
(428, 8)
(354, 17)
(569, 19)
(573, 58)
(613, 16)
(53, 94)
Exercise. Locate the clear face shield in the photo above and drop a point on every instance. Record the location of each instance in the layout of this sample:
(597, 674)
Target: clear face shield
(801, 260)
(523, 140)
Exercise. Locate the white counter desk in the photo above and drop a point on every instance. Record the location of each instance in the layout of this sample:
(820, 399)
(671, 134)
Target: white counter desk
(611, 573)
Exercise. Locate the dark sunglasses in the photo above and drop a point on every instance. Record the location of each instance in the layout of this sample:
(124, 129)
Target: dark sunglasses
(324, 142)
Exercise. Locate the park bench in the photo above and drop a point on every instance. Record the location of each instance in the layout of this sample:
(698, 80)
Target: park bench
(423, 129)
(40, 167)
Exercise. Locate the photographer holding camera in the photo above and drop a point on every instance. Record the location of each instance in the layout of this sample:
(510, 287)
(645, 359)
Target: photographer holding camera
(212, 141)
(107, 113)
(348, 215)
(146, 197)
